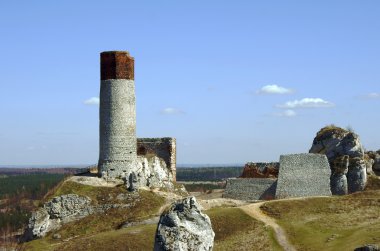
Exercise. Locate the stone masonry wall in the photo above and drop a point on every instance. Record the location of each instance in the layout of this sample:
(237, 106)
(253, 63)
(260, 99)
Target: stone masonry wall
(164, 148)
(250, 188)
(303, 175)
(117, 127)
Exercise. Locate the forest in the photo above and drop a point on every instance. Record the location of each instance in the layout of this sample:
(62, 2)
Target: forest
(208, 173)
(19, 196)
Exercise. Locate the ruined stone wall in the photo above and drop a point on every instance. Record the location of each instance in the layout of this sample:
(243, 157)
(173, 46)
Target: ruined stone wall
(260, 170)
(250, 188)
(164, 148)
(303, 175)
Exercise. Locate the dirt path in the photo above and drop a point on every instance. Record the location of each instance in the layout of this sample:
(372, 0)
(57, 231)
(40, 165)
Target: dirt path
(254, 211)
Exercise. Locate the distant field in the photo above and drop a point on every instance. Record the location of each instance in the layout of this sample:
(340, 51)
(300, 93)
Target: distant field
(208, 173)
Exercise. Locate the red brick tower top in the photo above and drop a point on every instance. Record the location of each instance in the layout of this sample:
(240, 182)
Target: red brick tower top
(116, 65)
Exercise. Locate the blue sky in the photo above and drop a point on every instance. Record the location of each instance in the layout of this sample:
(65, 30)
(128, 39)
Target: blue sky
(233, 81)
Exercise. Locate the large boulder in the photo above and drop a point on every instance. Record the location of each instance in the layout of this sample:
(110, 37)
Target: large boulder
(346, 158)
(54, 213)
(184, 227)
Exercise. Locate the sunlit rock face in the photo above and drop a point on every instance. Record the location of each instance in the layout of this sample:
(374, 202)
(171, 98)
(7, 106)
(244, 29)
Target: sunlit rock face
(346, 158)
(184, 227)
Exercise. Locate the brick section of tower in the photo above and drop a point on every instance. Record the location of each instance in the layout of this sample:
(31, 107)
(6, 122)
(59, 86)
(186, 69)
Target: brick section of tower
(116, 65)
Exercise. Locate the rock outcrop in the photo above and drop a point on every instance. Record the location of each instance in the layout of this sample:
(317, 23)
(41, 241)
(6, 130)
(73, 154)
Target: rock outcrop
(346, 158)
(369, 247)
(374, 158)
(260, 170)
(54, 213)
(184, 227)
(149, 172)
(338, 179)
(70, 207)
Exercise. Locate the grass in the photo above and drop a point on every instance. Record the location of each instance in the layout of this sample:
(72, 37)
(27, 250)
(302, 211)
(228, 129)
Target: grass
(99, 195)
(235, 230)
(373, 183)
(101, 231)
(133, 238)
(332, 129)
(334, 223)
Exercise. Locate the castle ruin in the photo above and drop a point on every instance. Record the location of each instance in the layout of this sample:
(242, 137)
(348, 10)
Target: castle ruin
(145, 161)
(297, 175)
(117, 114)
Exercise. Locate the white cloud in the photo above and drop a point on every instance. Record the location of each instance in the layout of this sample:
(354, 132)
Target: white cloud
(91, 101)
(307, 103)
(171, 111)
(287, 113)
(274, 89)
(372, 95)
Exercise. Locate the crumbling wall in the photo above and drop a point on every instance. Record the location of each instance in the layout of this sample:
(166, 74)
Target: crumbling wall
(250, 188)
(302, 175)
(164, 148)
(261, 170)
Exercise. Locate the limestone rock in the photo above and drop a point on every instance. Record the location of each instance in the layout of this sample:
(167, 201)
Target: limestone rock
(369, 162)
(356, 175)
(369, 247)
(147, 172)
(260, 170)
(338, 179)
(68, 207)
(336, 143)
(374, 157)
(184, 227)
(59, 210)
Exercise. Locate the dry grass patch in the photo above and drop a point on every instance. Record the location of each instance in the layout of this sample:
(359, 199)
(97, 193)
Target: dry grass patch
(335, 223)
(235, 230)
(373, 183)
(133, 238)
(98, 195)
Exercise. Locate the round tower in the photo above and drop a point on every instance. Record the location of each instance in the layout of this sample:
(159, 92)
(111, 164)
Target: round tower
(117, 115)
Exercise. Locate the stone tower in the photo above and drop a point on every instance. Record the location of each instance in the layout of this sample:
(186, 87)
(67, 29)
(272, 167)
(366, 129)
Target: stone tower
(117, 115)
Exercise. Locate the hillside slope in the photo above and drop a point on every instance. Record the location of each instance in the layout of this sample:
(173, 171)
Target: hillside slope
(329, 223)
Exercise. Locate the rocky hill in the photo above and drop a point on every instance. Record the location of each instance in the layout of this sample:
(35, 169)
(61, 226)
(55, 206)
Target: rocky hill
(117, 219)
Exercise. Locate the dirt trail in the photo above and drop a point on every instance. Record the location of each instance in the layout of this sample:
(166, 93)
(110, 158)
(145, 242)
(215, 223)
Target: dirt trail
(254, 211)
